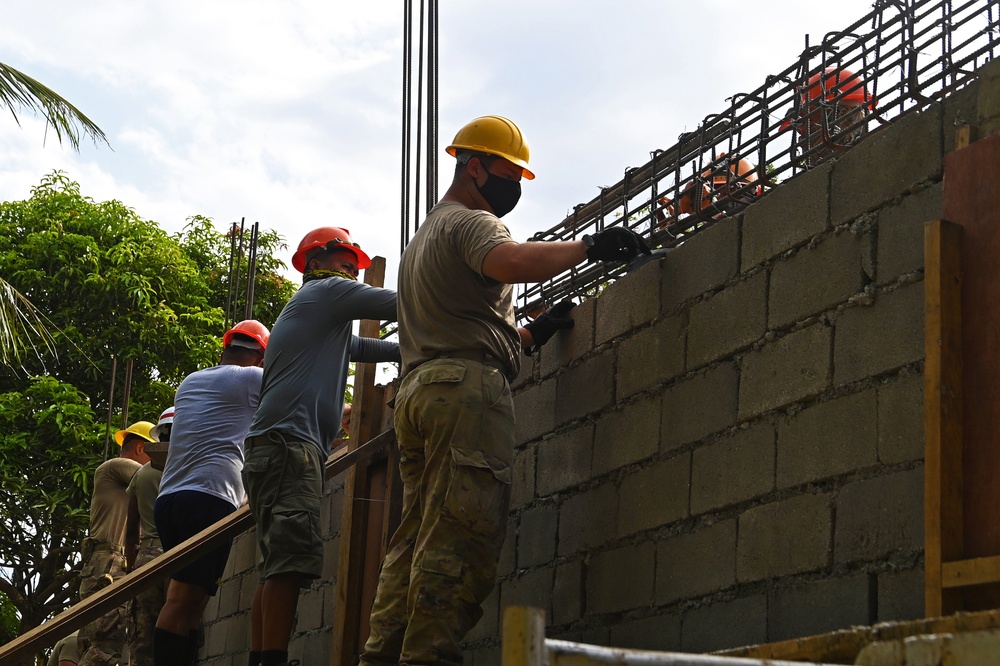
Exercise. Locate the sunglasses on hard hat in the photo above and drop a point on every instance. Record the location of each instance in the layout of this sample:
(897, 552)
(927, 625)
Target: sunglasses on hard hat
(330, 245)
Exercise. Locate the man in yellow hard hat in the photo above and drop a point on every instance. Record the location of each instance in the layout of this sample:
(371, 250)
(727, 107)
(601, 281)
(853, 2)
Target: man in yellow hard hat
(101, 641)
(454, 417)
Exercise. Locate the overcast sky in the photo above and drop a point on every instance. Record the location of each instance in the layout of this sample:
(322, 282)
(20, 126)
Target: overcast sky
(288, 113)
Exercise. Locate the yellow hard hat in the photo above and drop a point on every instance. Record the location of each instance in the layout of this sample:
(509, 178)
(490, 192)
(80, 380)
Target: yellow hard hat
(139, 428)
(494, 135)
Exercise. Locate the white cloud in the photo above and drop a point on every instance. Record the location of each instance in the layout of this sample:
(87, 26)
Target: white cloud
(288, 113)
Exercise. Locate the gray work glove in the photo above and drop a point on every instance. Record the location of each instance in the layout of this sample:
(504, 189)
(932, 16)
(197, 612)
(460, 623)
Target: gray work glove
(546, 324)
(615, 244)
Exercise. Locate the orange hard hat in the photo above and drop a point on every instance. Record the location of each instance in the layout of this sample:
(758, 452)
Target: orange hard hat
(741, 168)
(328, 237)
(841, 85)
(250, 328)
(690, 202)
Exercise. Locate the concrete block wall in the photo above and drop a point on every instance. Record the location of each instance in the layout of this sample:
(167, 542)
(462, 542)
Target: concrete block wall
(727, 449)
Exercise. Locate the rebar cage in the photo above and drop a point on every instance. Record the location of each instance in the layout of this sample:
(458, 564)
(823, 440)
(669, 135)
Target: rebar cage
(901, 57)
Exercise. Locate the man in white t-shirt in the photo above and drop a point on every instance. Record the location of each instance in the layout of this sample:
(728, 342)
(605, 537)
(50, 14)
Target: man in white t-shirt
(201, 481)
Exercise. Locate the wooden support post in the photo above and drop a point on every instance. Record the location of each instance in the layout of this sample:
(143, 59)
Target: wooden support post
(523, 637)
(943, 534)
(363, 518)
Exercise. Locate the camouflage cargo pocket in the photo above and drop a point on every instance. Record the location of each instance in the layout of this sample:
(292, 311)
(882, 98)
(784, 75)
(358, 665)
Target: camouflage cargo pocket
(478, 495)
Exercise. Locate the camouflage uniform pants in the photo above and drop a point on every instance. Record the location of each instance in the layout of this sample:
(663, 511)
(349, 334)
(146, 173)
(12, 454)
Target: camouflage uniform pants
(145, 610)
(101, 642)
(454, 421)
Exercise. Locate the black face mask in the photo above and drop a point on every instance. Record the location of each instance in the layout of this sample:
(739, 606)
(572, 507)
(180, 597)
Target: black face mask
(501, 194)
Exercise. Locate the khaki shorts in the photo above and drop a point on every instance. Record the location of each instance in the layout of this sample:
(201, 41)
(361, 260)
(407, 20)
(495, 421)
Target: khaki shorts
(283, 478)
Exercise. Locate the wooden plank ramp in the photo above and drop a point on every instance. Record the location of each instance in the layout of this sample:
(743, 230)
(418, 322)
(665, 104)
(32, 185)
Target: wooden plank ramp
(124, 589)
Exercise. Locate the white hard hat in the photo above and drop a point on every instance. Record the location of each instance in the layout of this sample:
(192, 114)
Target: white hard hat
(166, 418)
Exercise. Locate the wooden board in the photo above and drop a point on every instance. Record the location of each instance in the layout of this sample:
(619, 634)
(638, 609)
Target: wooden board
(126, 588)
(942, 409)
(972, 200)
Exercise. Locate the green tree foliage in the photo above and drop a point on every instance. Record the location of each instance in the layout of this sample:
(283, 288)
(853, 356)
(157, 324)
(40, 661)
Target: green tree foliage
(112, 284)
(49, 447)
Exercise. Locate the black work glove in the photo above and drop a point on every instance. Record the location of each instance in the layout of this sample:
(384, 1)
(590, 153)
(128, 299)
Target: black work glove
(546, 324)
(615, 244)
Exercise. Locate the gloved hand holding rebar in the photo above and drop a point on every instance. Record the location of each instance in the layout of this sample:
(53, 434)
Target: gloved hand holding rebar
(546, 324)
(615, 244)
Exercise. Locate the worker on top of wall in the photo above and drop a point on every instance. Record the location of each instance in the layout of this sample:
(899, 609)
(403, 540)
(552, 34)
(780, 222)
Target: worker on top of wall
(454, 416)
(201, 482)
(102, 641)
(301, 406)
(830, 114)
(723, 189)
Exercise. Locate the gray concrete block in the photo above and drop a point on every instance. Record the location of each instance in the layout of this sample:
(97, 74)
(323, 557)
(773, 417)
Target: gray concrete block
(534, 410)
(654, 495)
(564, 460)
(915, 145)
(310, 611)
(787, 216)
(248, 587)
(660, 632)
(238, 634)
(815, 279)
(508, 552)
(901, 233)
(787, 537)
(875, 339)
(958, 110)
(651, 356)
(587, 520)
(828, 439)
(880, 517)
(536, 536)
(734, 469)
(693, 565)
(699, 406)
(523, 485)
(489, 624)
(608, 591)
(532, 589)
(988, 97)
(703, 263)
(586, 388)
(818, 607)
(901, 420)
(729, 321)
(312, 648)
(525, 375)
(483, 656)
(901, 595)
(628, 303)
(568, 345)
(627, 436)
(727, 624)
(567, 593)
(789, 369)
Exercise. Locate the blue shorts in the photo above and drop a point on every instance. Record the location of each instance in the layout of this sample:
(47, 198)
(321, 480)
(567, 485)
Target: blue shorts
(181, 515)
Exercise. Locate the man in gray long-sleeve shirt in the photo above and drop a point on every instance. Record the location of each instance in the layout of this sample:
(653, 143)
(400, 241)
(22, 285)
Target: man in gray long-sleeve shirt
(301, 402)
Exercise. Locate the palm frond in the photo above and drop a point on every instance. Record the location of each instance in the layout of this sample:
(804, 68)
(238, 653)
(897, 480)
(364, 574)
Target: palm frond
(22, 328)
(18, 90)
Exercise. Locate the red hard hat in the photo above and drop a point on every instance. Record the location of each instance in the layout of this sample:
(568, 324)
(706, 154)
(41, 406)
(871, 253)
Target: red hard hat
(322, 237)
(250, 328)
